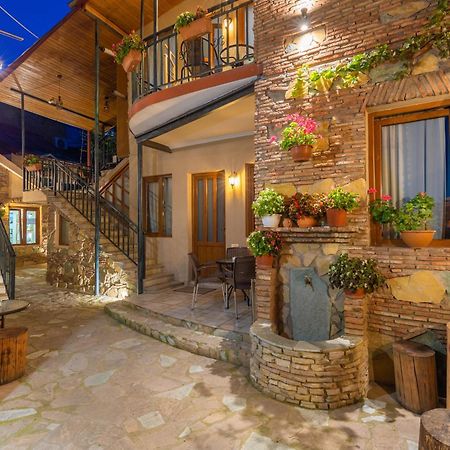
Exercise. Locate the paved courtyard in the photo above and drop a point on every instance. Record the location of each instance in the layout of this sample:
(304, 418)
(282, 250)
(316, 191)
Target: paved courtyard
(92, 383)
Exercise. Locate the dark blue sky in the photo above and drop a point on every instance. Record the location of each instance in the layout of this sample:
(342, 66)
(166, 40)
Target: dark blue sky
(39, 16)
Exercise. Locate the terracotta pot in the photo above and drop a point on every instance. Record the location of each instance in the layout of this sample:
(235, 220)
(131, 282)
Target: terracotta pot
(419, 238)
(132, 60)
(196, 28)
(271, 221)
(337, 217)
(264, 262)
(287, 223)
(357, 293)
(306, 222)
(301, 152)
(36, 167)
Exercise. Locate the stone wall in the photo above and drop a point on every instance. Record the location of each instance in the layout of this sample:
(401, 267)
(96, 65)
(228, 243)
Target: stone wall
(72, 266)
(319, 375)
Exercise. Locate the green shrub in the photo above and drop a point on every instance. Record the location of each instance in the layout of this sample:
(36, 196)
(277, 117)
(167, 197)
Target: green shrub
(340, 199)
(268, 202)
(263, 243)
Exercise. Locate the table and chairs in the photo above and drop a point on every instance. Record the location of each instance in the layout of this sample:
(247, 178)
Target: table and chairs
(235, 272)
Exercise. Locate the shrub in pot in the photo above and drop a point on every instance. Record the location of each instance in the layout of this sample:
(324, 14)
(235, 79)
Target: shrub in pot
(340, 203)
(356, 276)
(192, 25)
(269, 206)
(307, 209)
(298, 137)
(32, 163)
(128, 51)
(265, 245)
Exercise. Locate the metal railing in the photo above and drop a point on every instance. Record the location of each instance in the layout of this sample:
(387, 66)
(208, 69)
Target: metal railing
(114, 225)
(230, 44)
(7, 262)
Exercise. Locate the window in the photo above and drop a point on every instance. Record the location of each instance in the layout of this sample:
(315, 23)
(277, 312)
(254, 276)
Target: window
(158, 205)
(24, 226)
(411, 154)
(63, 231)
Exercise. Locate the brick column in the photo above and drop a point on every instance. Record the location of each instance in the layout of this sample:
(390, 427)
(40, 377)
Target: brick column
(356, 316)
(265, 296)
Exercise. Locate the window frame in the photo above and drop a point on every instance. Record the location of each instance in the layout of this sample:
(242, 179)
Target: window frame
(378, 119)
(23, 222)
(160, 180)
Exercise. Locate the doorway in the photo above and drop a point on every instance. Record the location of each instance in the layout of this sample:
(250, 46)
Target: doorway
(208, 215)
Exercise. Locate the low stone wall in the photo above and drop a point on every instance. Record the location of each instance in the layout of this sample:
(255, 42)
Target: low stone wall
(319, 375)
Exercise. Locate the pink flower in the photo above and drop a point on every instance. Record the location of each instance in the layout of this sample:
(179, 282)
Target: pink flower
(386, 198)
(372, 191)
(423, 194)
(272, 139)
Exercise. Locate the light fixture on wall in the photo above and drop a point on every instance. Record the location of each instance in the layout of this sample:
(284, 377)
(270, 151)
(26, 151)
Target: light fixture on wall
(233, 180)
(228, 22)
(304, 21)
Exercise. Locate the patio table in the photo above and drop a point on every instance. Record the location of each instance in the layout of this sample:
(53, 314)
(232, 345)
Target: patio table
(11, 307)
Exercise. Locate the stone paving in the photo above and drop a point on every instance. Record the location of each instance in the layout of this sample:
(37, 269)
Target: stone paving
(92, 383)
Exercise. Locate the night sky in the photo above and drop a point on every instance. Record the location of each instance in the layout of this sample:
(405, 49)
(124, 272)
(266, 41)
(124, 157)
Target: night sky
(38, 16)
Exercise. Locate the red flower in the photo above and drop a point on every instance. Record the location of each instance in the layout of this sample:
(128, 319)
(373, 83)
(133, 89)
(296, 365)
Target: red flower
(386, 198)
(372, 191)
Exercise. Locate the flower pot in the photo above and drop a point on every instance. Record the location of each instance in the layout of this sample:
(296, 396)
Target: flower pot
(336, 217)
(271, 221)
(306, 222)
(301, 152)
(418, 238)
(36, 167)
(357, 293)
(264, 262)
(132, 60)
(198, 27)
(287, 223)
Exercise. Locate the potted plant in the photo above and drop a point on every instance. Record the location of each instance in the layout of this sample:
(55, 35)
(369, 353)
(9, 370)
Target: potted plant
(323, 80)
(128, 51)
(298, 137)
(356, 276)
(269, 206)
(307, 209)
(286, 221)
(340, 203)
(381, 209)
(264, 245)
(192, 25)
(412, 218)
(32, 163)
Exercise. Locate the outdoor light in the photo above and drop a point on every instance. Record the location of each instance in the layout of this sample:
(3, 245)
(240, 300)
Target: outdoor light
(233, 179)
(228, 23)
(304, 22)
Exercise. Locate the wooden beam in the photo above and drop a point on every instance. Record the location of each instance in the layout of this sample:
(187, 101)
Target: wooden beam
(97, 15)
(157, 146)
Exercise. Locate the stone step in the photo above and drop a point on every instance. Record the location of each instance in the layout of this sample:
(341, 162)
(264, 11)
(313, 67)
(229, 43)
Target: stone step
(213, 346)
(169, 285)
(158, 278)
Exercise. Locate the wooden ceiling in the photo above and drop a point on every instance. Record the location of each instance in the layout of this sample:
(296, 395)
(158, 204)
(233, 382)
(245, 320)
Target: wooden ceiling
(68, 49)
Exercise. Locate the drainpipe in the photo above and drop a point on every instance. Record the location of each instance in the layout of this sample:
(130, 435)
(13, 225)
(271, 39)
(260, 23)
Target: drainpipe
(97, 160)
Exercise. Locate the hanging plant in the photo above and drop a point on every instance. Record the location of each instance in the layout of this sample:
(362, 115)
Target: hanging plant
(128, 51)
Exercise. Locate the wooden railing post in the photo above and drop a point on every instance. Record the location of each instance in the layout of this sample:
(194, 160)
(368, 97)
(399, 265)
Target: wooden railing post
(448, 365)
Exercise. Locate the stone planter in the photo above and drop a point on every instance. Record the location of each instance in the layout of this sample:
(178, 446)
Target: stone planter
(357, 293)
(198, 27)
(419, 238)
(271, 221)
(307, 222)
(336, 217)
(301, 153)
(132, 60)
(264, 262)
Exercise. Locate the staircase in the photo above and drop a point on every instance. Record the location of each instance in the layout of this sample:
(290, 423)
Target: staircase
(71, 195)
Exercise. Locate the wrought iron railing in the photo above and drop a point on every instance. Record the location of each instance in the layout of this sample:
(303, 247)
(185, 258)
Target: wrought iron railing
(7, 262)
(230, 44)
(114, 225)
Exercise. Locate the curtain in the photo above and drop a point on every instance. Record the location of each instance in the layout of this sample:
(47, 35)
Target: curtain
(414, 160)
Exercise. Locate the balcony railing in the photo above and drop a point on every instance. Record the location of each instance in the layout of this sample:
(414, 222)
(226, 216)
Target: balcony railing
(7, 262)
(168, 61)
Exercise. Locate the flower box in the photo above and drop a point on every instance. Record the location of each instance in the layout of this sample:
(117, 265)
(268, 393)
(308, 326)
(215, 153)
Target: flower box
(198, 27)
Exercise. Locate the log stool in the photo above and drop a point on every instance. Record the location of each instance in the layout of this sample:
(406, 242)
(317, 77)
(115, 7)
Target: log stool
(435, 430)
(13, 353)
(415, 376)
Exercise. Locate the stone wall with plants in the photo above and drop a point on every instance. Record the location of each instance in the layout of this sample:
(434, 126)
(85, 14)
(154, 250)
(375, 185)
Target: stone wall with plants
(72, 266)
(356, 56)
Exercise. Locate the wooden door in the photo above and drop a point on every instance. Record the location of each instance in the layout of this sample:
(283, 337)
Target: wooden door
(208, 215)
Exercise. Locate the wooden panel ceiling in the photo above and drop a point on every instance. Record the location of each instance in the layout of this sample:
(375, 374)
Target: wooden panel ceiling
(70, 51)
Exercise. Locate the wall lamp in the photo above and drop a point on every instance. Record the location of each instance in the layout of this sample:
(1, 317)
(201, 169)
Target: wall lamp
(304, 21)
(233, 179)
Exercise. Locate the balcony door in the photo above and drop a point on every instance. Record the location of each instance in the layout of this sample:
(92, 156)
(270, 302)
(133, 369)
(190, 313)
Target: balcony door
(208, 215)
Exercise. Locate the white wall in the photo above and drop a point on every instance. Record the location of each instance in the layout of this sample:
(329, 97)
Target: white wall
(230, 156)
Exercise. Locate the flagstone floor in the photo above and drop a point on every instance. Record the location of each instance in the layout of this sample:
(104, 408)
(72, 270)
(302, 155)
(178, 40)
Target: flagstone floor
(92, 383)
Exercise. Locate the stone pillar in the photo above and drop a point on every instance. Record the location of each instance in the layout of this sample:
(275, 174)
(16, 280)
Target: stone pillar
(355, 316)
(266, 298)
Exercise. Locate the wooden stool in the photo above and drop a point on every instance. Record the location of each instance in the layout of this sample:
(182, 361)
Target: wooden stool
(415, 376)
(13, 353)
(435, 430)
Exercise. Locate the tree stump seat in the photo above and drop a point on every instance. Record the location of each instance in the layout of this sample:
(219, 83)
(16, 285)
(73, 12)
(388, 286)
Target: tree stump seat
(13, 353)
(435, 430)
(415, 376)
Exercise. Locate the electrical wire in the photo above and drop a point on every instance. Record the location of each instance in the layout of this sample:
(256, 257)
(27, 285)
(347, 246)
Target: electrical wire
(18, 23)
